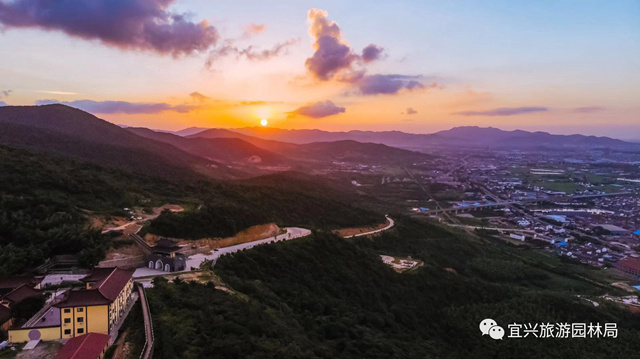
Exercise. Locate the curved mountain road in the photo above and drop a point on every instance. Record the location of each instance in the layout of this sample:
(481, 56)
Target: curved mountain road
(389, 226)
(197, 259)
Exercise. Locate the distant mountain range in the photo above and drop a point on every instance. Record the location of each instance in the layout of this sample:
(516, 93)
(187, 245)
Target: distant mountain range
(245, 152)
(469, 136)
(221, 154)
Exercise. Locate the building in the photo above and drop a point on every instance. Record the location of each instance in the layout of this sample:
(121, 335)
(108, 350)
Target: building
(613, 229)
(10, 283)
(165, 256)
(18, 295)
(93, 309)
(86, 346)
(629, 266)
(13, 298)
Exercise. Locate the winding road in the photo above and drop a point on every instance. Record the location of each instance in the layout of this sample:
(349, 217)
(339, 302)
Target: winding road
(197, 259)
(389, 226)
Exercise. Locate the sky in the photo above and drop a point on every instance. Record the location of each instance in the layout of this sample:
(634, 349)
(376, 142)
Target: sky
(416, 66)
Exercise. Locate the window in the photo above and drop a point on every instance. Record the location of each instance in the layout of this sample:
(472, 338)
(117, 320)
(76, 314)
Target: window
(80, 320)
(67, 320)
(80, 310)
(80, 330)
(67, 310)
(67, 331)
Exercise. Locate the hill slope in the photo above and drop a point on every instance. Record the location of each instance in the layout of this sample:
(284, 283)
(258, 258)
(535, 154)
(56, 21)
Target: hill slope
(80, 135)
(326, 297)
(341, 150)
(223, 149)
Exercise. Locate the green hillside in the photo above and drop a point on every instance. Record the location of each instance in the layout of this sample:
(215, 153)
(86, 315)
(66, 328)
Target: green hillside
(46, 200)
(325, 297)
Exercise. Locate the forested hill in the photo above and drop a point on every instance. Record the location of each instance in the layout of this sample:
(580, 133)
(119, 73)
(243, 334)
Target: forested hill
(325, 297)
(79, 135)
(288, 198)
(46, 201)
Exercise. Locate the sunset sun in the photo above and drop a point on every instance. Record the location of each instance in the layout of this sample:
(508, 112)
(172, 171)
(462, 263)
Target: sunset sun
(264, 122)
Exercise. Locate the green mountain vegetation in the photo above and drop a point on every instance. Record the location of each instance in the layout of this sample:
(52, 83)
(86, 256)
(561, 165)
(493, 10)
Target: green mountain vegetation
(46, 200)
(289, 199)
(325, 297)
(79, 135)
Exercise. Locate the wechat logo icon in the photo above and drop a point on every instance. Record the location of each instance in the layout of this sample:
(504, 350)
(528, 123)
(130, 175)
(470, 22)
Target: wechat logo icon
(491, 327)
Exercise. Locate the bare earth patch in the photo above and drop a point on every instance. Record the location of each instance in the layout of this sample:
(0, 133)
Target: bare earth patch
(250, 234)
(170, 207)
(131, 250)
(346, 232)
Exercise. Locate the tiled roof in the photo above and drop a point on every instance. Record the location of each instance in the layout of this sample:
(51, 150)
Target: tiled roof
(16, 281)
(21, 293)
(166, 245)
(83, 297)
(108, 283)
(631, 263)
(86, 346)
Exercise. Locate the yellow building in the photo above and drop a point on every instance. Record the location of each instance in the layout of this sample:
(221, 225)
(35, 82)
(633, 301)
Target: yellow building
(93, 309)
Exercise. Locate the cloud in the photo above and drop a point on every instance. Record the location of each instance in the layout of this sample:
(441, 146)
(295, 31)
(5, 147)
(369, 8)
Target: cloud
(389, 84)
(108, 107)
(334, 59)
(332, 54)
(145, 25)
(250, 52)
(588, 109)
(411, 111)
(318, 110)
(254, 29)
(503, 111)
(5, 93)
(198, 97)
(58, 92)
(372, 52)
(252, 103)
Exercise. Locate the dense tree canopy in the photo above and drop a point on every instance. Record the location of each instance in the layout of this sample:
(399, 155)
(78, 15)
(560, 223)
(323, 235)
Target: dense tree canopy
(324, 297)
(45, 202)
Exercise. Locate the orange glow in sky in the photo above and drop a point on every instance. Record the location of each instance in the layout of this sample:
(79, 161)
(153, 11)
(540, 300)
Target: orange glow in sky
(422, 67)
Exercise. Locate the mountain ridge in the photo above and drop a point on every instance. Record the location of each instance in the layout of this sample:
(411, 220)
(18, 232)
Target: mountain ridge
(80, 135)
(468, 136)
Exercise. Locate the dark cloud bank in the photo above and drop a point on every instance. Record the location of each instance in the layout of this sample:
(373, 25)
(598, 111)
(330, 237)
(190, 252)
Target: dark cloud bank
(146, 25)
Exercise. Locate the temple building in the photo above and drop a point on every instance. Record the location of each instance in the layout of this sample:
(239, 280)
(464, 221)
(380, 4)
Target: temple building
(164, 256)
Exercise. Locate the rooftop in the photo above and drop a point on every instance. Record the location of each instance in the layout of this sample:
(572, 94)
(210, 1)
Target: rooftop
(611, 227)
(630, 262)
(87, 346)
(21, 293)
(166, 245)
(18, 280)
(103, 287)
